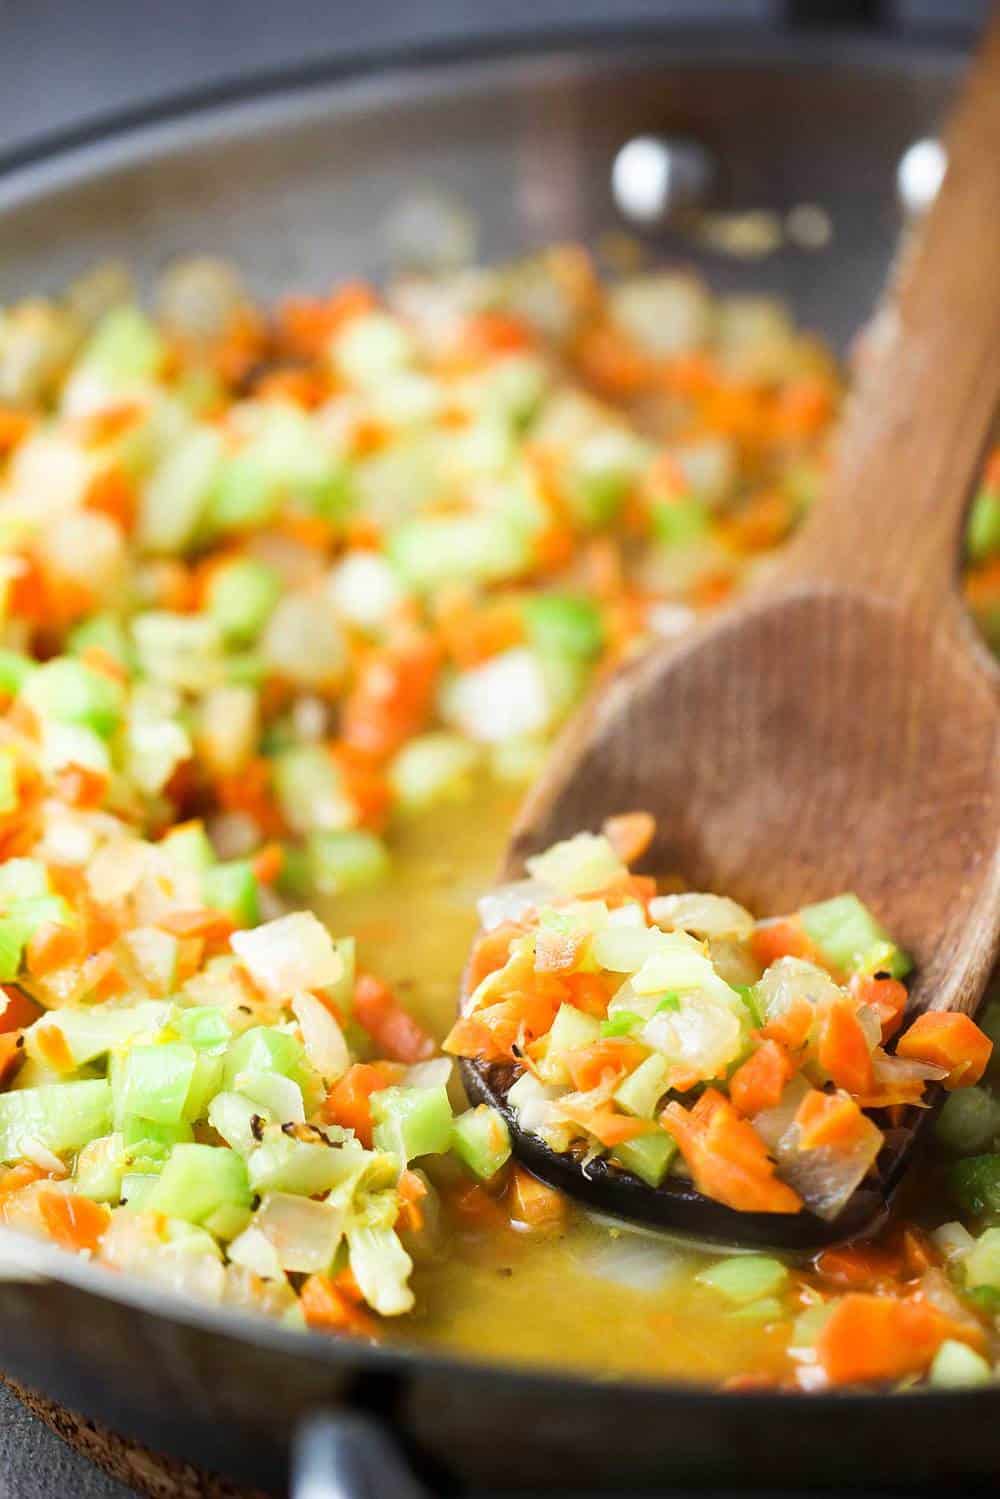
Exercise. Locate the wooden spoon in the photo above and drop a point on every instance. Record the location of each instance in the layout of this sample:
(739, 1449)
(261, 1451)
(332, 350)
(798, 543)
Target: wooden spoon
(840, 731)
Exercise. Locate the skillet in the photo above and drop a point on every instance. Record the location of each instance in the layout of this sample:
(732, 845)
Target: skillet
(293, 181)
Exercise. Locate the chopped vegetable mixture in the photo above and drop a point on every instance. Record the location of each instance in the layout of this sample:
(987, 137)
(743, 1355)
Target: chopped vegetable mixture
(278, 590)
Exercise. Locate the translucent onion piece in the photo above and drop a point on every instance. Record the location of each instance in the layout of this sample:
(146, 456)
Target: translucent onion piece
(511, 902)
(322, 1037)
(701, 914)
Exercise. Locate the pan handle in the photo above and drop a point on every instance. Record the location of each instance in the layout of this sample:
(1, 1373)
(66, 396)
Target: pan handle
(349, 1456)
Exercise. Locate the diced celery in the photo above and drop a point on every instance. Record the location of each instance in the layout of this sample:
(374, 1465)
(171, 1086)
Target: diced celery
(93, 1032)
(205, 1083)
(647, 1156)
(108, 633)
(767, 1309)
(19, 924)
(412, 1122)
(605, 466)
(571, 1029)
(346, 860)
(59, 1116)
(244, 495)
(15, 670)
(136, 1187)
(189, 846)
(176, 497)
(124, 346)
(240, 598)
(433, 767)
(481, 1139)
(975, 1183)
(969, 1121)
(564, 624)
(100, 1167)
(622, 1023)
(205, 1028)
(181, 650)
(310, 790)
(679, 521)
(285, 457)
(147, 1144)
(233, 888)
(642, 1090)
(228, 1220)
(956, 1366)
(744, 1278)
(982, 533)
(624, 949)
(850, 938)
(68, 691)
(263, 1049)
(153, 1082)
(432, 551)
(197, 1180)
(283, 1164)
(982, 1263)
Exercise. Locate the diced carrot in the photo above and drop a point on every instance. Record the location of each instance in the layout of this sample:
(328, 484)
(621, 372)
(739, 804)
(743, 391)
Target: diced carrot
(607, 1125)
(791, 1028)
(114, 494)
(54, 1048)
(471, 1037)
(81, 786)
(212, 926)
(477, 1208)
(948, 1038)
(103, 662)
(858, 1265)
(533, 1204)
(831, 1119)
(366, 786)
(327, 1309)
(347, 1102)
(250, 791)
(394, 1031)
(14, 427)
(887, 997)
(53, 945)
(393, 695)
(726, 1157)
(759, 1082)
(16, 1178)
(843, 1050)
(785, 937)
(588, 1065)
(868, 1338)
(412, 1190)
(267, 863)
(16, 1009)
(74, 1222)
(306, 324)
(630, 834)
(490, 952)
(11, 1054)
(493, 332)
(587, 992)
(472, 629)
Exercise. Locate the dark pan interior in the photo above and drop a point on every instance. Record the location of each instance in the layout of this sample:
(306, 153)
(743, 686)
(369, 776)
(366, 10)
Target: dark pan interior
(295, 185)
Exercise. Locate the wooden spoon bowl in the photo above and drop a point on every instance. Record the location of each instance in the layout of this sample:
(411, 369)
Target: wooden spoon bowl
(842, 730)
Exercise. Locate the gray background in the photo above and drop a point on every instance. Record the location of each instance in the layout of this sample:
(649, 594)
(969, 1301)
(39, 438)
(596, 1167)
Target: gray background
(67, 65)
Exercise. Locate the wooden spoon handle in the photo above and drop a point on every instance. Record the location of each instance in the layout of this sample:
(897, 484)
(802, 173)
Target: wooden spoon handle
(927, 400)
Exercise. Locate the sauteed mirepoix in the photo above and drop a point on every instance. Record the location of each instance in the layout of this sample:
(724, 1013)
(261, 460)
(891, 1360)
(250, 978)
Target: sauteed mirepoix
(293, 601)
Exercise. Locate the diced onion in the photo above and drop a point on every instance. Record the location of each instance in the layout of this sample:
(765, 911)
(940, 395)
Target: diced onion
(322, 1037)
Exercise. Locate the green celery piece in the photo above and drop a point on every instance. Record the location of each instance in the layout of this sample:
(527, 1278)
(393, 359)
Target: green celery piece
(642, 1090)
(767, 1309)
(100, 1167)
(125, 345)
(744, 1278)
(310, 790)
(60, 1116)
(982, 532)
(241, 596)
(956, 1366)
(564, 624)
(432, 551)
(93, 1031)
(232, 887)
(238, 1120)
(679, 521)
(975, 1183)
(572, 1028)
(15, 671)
(480, 1138)
(604, 468)
(622, 1023)
(647, 1156)
(982, 1263)
(67, 691)
(205, 1028)
(205, 1083)
(969, 1121)
(263, 1049)
(850, 938)
(176, 497)
(228, 1220)
(197, 1180)
(19, 924)
(146, 1144)
(295, 879)
(412, 1122)
(154, 1081)
(244, 496)
(280, 1163)
(108, 633)
(431, 768)
(189, 846)
(136, 1187)
(345, 860)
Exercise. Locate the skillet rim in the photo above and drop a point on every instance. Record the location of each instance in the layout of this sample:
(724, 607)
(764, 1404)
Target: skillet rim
(47, 166)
